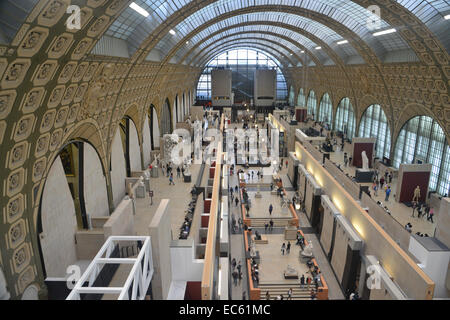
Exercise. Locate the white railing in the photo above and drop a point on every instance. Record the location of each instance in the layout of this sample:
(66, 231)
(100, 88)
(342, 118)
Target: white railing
(138, 279)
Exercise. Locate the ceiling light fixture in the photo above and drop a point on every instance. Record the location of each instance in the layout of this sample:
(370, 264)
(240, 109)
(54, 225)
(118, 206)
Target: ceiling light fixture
(303, 51)
(342, 42)
(172, 32)
(376, 34)
(139, 9)
(318, 48)
(447, 17)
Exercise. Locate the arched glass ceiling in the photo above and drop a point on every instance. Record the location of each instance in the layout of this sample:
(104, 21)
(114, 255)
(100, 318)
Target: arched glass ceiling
(135, 28)
(310, 26)
(270, 52)
(12, 16)
(221, 38)
(242, 61)
(432, 14)
(282, 55)
(269, 27)
(347, 13)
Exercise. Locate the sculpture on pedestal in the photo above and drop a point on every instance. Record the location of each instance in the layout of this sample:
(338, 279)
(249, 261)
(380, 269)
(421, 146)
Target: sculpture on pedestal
(365, 161)
(416, 194)
(170, 141)
(307, 251)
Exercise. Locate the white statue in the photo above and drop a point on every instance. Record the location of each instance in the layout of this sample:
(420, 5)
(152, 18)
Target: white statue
(307, 252)
(156, 159)
(290, 269)
(416, 194)
(365, 161)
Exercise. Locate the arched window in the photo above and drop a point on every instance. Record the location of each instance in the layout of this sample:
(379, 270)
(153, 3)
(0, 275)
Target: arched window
(345, 119)
(422, 139)
(166, 119)
(243, 62)
(326, 110)
(374, 125)
(312, 104)
(291, 96)
(301, 99)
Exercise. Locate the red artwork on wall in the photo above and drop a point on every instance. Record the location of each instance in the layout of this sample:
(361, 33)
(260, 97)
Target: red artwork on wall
(410, 182)
(358, 149)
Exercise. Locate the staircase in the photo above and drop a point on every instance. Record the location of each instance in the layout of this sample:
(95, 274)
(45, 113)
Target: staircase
(276, 288)
(277, 222)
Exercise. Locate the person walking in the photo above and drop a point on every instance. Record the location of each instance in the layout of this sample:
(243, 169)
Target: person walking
(231, 190)
(240, 224)
(236, 189)
(267, 295)
(233, 263)
(271, 224)
(178, 172)
(289, 294)
(414, 206)
(345, 159)
(419, 211)
(350, 161)
(266, 226)
(270, 209)
(283, 247)
(302, 281)
(171, 180)
(244, 296)
(236, 200)
(308, 282)
(288, 247)
(388, 193)
(235, 278)
(382, 182)
(239, 266)
(430, 215)
(427, 211)
(287, 164)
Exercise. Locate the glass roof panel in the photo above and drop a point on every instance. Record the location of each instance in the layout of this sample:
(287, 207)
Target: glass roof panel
(232, 35)
(311, 26)
(260, 44)
(432, 13)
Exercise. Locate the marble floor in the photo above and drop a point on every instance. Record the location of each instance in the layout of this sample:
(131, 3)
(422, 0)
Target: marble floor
(260, 206)
(273, 263)
(178, 195)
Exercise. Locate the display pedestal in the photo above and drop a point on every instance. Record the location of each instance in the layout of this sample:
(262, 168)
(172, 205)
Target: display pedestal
(140, 192)
(187, 178)
(290, 233)
(154, 172)
(363, 176)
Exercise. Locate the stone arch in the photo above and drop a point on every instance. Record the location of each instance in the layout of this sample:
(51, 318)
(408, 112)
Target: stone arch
(311, 103)
(166, 118)
(412, 110)
(326, 97)
(74, 190)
